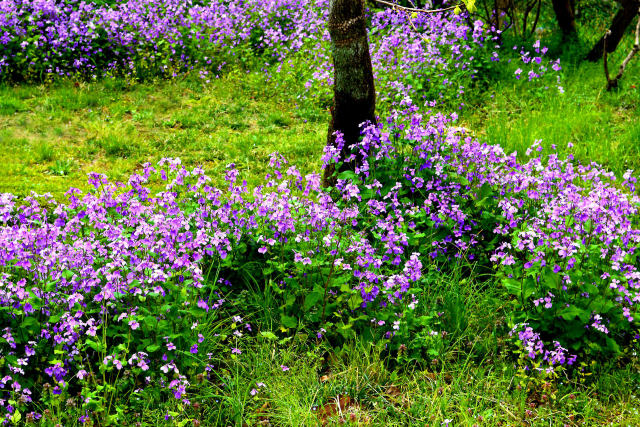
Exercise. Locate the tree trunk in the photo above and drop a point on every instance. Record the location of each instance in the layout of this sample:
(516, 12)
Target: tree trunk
(500, 9)
(353, 89)
(619, 26)
(565, 16)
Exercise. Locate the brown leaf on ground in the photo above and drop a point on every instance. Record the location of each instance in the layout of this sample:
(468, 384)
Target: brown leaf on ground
(335, 406)
(397, 396)
(393, 391)
(263, 419)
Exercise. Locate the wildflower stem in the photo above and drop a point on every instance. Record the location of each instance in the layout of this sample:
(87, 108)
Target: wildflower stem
(333, 266)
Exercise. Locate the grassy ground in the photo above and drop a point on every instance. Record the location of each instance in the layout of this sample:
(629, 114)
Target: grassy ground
(355, 388)
(604, 127)
(51, 137)
(473, 381)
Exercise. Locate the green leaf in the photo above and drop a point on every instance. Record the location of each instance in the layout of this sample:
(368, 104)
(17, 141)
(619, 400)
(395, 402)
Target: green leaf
(150, 321)
(348, 175)
(30, 323)
(571, 312)
(513, 286)
(354, 302)
(153, 348)
(529, 287)
(311, 299)
(551, 279)
(269, 335)
(95, 345)
(485, 196)
(289, 322)
(51, 286)
(613, 345)
(470, 5)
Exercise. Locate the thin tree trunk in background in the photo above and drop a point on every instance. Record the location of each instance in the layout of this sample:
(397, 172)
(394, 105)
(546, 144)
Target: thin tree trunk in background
(353, 88)
(619, 26)
(500, 8)
(565, 16)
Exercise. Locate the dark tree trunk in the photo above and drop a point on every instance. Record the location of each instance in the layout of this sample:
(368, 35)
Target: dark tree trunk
(500, 10)
(619, 26)
(565, 16)
(353, 89)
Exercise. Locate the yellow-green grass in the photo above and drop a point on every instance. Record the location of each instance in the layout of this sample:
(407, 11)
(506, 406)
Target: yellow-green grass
(52, 136)
(604, 127)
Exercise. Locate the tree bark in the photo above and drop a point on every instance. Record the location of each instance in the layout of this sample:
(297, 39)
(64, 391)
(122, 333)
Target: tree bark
(565, 16)
(500, 9)
(353, 89)
(619, 26)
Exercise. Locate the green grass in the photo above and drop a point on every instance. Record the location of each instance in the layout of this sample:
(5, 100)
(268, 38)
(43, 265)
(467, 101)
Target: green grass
(472, 382)
(53, 136)
(604, 127)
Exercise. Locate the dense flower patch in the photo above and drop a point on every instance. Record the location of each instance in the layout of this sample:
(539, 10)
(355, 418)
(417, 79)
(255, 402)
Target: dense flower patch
(432, 56)
(146, 38)
(112, 292)
(109, 293)
(562, 238)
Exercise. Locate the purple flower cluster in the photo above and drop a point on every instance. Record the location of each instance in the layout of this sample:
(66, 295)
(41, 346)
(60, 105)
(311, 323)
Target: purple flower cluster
(86, 283)
(69, 272)
(142, 37)
(534, 348)
(538, 65)
(563, 236)
(116, 283)
(429, 55)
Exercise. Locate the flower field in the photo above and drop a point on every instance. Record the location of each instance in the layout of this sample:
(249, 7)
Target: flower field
(145, 300)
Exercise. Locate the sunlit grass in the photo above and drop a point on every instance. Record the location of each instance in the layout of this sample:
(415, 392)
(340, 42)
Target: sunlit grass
(604, 127)
(51, 137)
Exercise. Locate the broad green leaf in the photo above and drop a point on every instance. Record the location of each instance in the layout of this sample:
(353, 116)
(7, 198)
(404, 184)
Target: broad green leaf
(311, 299)
(571, 312)
(289, 322)
(514, 287)
(269, 335)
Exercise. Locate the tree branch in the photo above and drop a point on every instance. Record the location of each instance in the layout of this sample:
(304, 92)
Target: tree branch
(604, 59)
(535, 22)
(412, 9)
(636, 48)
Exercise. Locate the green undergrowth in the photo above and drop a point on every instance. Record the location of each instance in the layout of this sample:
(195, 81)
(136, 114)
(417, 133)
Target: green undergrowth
(290, 378)
(353, 386)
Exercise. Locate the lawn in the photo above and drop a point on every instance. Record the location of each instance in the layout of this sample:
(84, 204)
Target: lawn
(449, 282)
(53, 136)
